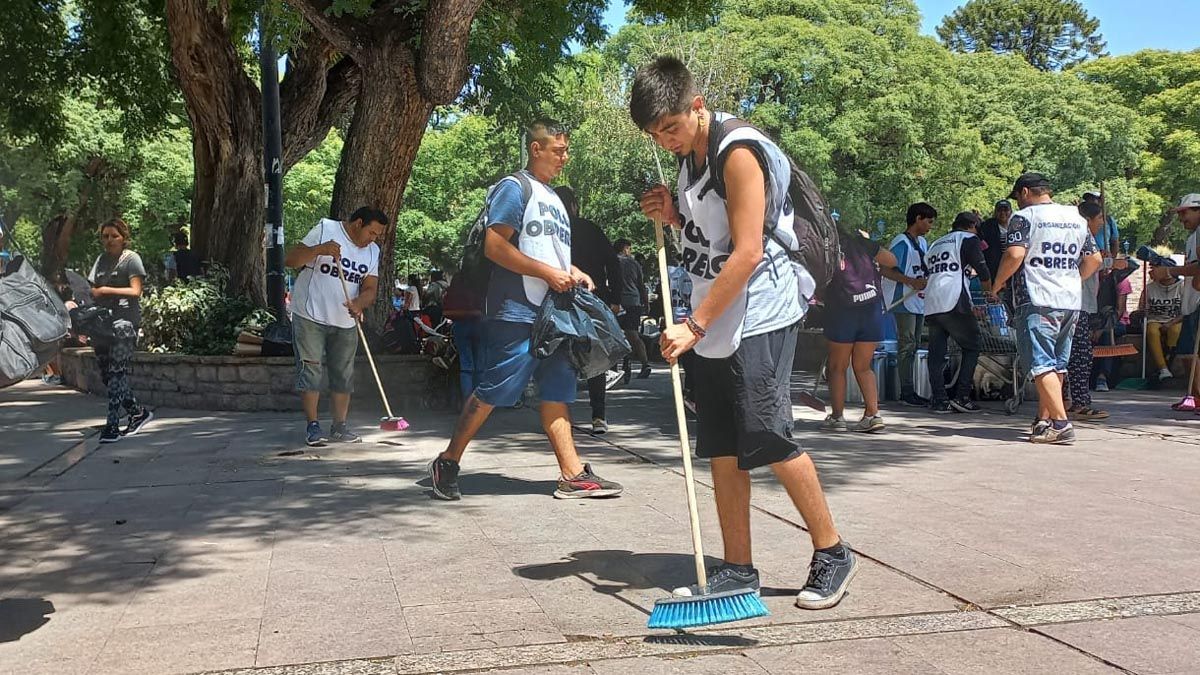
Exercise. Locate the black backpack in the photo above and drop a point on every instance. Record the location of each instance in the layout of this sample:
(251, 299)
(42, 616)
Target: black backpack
(33, 322)
(475, 268)
(819, 251)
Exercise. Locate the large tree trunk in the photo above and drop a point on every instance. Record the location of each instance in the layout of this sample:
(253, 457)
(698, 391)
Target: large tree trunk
(377, 158)
(57, 234)
(223, 106)
(1163, 232)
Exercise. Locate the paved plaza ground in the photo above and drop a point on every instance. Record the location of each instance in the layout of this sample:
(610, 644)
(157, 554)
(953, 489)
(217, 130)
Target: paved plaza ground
(219, 542)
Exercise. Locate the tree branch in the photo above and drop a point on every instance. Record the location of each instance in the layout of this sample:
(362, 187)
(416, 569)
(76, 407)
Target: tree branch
(313, 95)
(341, 32)
(442, 63)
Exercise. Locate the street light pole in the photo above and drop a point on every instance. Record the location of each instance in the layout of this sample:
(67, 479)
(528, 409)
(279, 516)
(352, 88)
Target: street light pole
(272, 165)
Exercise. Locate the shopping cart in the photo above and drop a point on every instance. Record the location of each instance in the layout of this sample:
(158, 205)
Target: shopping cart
(997, 350)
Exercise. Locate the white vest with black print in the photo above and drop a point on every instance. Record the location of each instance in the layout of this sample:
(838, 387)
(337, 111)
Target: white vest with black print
(545, 236)
(1057, 234)
(893, 291)
(771, 299)
(947, 275)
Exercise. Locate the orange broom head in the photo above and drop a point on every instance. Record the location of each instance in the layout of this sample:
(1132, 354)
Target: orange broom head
(393, 423)
(1112, 351)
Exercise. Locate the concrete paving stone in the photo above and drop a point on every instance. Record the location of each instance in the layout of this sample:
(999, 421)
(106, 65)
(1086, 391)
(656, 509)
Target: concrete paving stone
(1000, 651)
(54, 659)
(717, 664)
(324, 634)
(351, 558)
(874, 656)
(479, 624)
(1151, 645)
(184, 593)
(581, 669)
(1190, 620)
(179, 648)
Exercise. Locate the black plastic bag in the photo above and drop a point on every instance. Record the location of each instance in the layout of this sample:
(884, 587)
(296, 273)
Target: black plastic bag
(581, 323)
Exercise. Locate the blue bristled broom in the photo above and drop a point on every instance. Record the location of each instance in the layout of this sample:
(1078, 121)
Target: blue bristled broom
(706, 608)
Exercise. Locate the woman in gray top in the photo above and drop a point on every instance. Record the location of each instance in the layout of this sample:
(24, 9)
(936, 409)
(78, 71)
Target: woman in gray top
(116, 280)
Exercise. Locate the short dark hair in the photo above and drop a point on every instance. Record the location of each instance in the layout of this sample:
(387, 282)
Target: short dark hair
(369, 214)
(543, 128)
(179, 239)
(1090, 209)
(919, 210)
(436, 275)
(569, 200)
(621, 244)
(662, 87)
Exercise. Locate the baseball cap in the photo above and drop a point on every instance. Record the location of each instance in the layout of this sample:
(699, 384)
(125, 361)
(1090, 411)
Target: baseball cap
(1029, 180)
(965, 220)
(1004, 204)
(1191, 201)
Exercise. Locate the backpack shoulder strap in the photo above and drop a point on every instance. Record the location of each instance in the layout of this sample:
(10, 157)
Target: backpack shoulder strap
(526, 186)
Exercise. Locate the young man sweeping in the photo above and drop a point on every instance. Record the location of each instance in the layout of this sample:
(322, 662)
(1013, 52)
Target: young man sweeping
(744, 324)
(1050, 251)
(323, 330)
(529, 242)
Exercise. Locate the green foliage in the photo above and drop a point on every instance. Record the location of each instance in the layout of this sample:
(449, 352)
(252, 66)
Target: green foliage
(308, 188)
(1049, 34)
(198, 317)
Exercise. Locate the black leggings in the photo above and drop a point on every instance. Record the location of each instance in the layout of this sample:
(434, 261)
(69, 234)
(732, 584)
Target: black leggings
(113, 362)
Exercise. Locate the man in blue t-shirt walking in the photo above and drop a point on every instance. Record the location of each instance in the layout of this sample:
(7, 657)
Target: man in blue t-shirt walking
(529, 242)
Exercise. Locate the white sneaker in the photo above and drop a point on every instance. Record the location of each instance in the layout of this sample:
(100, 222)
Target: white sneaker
(599, 427)
(1165, 374)
(612, 378)
(1101, 384)
(832, 423)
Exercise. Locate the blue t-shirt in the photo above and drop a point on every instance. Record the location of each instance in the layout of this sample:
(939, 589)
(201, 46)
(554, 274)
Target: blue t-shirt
(1107, 234)
(506, 300)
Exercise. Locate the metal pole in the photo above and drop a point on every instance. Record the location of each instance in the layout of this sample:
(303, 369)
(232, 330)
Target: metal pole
(272, 166)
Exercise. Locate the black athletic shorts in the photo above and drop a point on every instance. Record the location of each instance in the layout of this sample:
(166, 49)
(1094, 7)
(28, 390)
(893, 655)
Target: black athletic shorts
(632, 318)
(744, 402)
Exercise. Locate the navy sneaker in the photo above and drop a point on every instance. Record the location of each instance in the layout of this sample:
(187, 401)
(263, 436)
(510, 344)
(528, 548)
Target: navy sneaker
(314, 437)
(137, 421)
(110, 434)
(964, 405)
(340, 433)
(722, 579)
(828, 578)
(941, 407)
(443, 476)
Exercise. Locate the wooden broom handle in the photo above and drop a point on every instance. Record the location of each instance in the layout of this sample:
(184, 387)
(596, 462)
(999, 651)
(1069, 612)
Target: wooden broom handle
(685, 446)
(337, 266)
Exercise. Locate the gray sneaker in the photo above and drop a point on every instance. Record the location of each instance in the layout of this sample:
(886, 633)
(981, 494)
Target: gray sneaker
(832, 423)
(869, 425)
(599, 426)
(1049, 435)
(721, 579)
(340, 433)
(828, 578)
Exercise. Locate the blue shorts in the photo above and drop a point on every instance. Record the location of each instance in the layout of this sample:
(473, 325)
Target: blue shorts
(849, 324)
(510, 364)
(1044, 338)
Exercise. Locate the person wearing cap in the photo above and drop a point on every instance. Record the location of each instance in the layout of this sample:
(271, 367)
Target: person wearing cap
(902, 286)
(1188, 213)
(1049, 253)
(1109, 237)
(948, 310)
(992, 232)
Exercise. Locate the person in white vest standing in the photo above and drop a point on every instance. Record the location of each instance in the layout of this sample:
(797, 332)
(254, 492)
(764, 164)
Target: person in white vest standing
(745, 320)
(323, 320)
(1049, 251)
(948, 311)
(529, 242)
(905, 284)
(1188, 212)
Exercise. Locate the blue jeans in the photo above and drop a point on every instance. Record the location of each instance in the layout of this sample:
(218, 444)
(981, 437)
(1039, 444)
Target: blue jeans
(1044, 338)
(468, 339)
(323, 350)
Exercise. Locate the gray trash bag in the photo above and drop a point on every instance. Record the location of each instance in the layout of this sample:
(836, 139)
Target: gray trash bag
(33, 322)
(581, 323)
